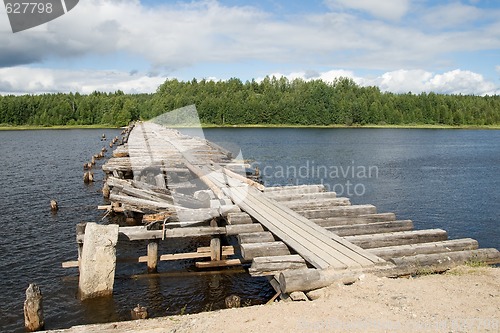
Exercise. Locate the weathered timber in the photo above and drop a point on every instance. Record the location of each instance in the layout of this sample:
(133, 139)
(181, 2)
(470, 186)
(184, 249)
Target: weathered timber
(142, 203)
(232, 301)
(97, 266)
(239, 218)
(272, 265)
(139, 312)
(349, 220)
(440, 262)
(293, 190)
(300, 196)
(141, 233)
(215, 249)
(310, 279)
(160, 181)
(237, 176)
(353, 210)
(315, 204)
(253, 250)
(232, 230)
(54, 207)
(389, 252)
(255, 237)
(372, 228)
(219, 263)
(398, 238)
(33, 309)
(153, 256)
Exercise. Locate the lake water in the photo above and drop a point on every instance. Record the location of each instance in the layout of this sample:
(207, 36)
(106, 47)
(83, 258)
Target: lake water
(438, 178)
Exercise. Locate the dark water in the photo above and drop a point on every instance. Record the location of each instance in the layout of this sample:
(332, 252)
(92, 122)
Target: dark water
(438, 178)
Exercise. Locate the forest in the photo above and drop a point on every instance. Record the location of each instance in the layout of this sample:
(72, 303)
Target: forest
(272, 101)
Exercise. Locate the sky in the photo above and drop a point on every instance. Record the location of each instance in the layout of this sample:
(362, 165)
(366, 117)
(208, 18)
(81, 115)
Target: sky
(400, 46)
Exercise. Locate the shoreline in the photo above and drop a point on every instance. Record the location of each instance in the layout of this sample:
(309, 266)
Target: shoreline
(414, 126)
(464, 299)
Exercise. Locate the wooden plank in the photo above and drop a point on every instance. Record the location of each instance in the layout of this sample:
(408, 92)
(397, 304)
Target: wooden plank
(220, 263)
(281, 233)
(302, 231)
(300, 196)
(350, 252)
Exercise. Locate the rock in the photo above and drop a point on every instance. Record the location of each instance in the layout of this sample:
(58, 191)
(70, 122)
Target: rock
(317, 293)
(298, 296)
(97, 266)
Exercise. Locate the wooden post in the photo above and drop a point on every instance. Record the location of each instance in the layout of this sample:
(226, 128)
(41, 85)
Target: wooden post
(233, 301)
(33, 309)
(53, 206)
(139, 312)
(215, 249)
(80, 232)
(153, 256)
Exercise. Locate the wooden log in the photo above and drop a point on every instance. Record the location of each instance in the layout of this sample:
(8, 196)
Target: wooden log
(54, 207)
(106, 191)
(349, 220)
(255, 237)
(439, 262)
(424, 248)
(141, 233)
(273, 265)
(294, 190)
(232, 301)
(232, 230)
(33, 309)
(310, 279)
(143, 203)
(239, 218)
(139, 312)
(253, 250)
(160, 181)
(314, 204)
(300, 196)
(153, 256)
(215, 249)
(239, 177)
(353, 210)
(372, 228)
(97, 266)
(398, 238)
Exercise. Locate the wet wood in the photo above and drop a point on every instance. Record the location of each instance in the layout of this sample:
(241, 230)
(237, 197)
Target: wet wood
(33, 309)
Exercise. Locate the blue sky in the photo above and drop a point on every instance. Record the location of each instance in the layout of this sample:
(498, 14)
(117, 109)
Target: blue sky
(132, 45)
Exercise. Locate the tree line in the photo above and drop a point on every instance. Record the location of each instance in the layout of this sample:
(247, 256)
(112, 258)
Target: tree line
(272, 101)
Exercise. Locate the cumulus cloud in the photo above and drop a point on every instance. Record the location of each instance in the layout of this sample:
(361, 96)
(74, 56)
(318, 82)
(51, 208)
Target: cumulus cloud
(176, 35)
(27, 80)
(386, 9)
(415, 81)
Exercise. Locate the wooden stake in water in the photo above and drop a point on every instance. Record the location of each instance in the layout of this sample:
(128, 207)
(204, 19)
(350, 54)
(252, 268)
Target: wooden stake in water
(33, 309)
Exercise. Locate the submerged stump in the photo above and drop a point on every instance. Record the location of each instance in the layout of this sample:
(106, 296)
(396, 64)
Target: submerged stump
(33, 309)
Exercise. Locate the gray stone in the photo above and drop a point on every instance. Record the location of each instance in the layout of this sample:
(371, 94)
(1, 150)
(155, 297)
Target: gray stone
(97, 266)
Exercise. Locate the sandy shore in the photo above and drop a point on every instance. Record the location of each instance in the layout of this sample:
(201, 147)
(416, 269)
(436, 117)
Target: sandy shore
(465, 299)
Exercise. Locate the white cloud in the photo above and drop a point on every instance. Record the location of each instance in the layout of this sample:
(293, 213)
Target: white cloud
(27, 80)
(385, 9)
(415, 81)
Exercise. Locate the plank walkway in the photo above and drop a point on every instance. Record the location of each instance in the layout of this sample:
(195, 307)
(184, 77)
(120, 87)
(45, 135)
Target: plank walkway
(320, 247)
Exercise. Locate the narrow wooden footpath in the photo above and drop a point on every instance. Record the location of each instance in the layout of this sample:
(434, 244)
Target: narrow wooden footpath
(300, 237)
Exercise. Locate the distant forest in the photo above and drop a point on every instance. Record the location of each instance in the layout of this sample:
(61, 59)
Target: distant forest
(271, 101)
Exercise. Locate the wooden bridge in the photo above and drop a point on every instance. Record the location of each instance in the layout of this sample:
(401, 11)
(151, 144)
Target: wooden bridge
(301, 237)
